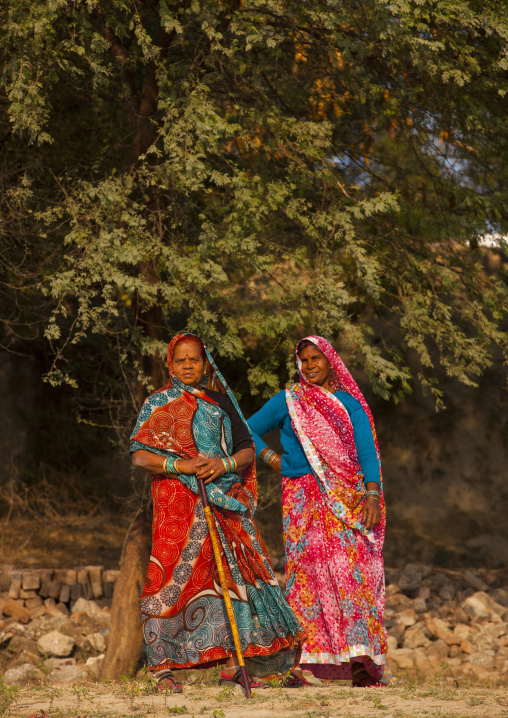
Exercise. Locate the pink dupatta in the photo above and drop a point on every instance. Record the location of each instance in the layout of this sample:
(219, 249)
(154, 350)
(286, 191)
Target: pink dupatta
(325, 431)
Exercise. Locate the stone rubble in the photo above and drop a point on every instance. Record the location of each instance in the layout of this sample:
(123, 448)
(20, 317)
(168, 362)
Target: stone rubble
(54, 625)
(447, 621)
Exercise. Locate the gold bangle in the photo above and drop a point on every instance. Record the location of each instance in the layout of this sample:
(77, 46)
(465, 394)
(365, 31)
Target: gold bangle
(272, 459)
(175, 462)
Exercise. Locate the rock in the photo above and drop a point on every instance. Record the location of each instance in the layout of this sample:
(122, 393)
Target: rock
(441, 629)
(97, 641)
(391, 590)
(478, 672)
(475, 581)
(403, 657)
(97, 590)
(18, 644)
(95, 573)
(459, 616)
(455, 666)
(407, 617)
(485, 641)
(56, 644)
(76, 591)
(63, 608)
(15, 588)
(68, 674)
(89, 607)
(416, 636)
(424, 593)
(397, 632)
(70, 577)
(65, 593)
(422, 662)
(112, 575)
(54, 663)
(500, 595)
(19, 674)
(54, 589)
(31, 582)
(16, 610)
(27, 594)
(447, 591)
(484, 659)
(51, 608)
(94, 664)
(82, 576)
(467, 647)
(420, 605)
(411, 576)
(32, 603)
(392, 643)
(399, 602)
(476, 606)
(461, 632)
(437, 652)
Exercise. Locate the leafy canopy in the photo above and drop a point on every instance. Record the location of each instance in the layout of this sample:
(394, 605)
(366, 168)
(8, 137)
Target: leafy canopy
(253, 171)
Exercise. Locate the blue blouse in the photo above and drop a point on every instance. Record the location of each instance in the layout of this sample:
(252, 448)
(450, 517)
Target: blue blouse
(275, 415)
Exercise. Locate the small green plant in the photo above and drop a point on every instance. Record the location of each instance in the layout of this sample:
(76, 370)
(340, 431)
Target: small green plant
(177, 710)
(218, 713)
(226, 693)
(379, 705)
(8, 695)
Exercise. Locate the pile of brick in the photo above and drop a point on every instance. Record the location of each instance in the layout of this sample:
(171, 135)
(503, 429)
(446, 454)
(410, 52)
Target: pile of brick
(54, 624)
(32, 593)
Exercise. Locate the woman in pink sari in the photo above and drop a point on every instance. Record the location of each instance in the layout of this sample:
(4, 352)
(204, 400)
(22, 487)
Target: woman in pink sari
(333, 515)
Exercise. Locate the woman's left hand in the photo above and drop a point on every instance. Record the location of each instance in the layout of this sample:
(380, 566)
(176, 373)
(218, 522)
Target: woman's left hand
(209, 469)
(371, 513)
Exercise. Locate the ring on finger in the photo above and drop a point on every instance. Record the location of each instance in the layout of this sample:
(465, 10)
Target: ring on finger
(211, 471)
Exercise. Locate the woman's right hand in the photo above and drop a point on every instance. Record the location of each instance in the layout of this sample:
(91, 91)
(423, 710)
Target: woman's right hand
(188, 466)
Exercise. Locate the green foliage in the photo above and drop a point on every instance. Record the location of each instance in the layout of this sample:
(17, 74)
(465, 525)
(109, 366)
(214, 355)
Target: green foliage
(8, 696)
(252, 171)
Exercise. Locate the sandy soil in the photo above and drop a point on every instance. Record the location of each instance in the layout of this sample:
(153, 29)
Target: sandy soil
(136, 698)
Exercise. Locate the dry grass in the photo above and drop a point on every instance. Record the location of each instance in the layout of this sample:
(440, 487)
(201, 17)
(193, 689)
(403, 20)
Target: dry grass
(137, 697)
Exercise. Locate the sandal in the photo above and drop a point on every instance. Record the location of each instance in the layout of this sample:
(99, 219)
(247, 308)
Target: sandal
(237, 680)
(165, 679)
(293, 680)
(361, 679)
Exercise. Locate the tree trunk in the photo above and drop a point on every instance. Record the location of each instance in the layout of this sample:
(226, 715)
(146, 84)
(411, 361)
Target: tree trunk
(126, 637)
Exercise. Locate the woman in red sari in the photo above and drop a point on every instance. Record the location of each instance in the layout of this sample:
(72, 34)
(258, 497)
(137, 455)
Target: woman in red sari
(333, 514)
(193, 427)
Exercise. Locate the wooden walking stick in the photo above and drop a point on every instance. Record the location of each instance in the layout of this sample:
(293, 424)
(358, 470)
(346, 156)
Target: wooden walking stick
(212, 530)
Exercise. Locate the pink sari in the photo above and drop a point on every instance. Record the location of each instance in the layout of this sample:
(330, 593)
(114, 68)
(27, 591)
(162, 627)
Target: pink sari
(334, 566)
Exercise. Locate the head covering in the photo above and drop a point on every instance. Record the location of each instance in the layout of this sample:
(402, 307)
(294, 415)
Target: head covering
(325, 430)
(179, 421)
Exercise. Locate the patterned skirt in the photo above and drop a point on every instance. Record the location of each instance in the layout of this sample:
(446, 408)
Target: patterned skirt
(335, 584)
(185, 622)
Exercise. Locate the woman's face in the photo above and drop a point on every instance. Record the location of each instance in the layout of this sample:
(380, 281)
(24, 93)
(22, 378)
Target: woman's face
(315, 366)
(188, 362)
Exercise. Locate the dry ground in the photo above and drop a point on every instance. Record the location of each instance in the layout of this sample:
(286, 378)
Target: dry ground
(435, 699)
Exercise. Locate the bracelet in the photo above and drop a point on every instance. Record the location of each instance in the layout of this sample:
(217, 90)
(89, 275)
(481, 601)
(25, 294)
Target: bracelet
(373, 495)
(269, 456)
(165, 469)
(226, 466)
(235, 465)
(272, 459)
